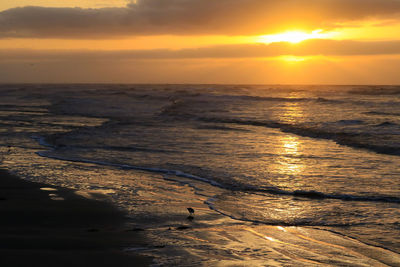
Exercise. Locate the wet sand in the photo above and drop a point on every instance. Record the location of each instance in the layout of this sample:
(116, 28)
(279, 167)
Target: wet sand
(36, 229)
(60, 228)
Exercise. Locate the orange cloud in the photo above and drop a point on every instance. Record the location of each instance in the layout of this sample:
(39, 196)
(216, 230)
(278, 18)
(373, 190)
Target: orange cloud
(182, 17)
(306, 48)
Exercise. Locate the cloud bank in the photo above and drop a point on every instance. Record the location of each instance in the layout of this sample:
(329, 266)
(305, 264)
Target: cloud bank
(189, 17)
(307, 48)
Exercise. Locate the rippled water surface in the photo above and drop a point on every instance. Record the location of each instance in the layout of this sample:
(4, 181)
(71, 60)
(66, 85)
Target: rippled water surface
(302, 168)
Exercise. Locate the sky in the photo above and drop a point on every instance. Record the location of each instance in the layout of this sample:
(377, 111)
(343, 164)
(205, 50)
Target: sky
(200, 41)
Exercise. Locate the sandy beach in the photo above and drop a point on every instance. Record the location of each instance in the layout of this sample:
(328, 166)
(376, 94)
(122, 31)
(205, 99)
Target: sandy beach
(51, 226)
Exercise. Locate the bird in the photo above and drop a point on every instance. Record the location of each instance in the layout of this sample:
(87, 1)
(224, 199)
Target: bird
(191, 212)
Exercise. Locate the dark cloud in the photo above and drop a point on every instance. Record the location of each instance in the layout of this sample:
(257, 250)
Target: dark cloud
(189, 17)
(306, 48)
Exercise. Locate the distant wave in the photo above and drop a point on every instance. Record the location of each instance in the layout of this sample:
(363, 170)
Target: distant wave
(350, 122)
(325, 100)
(381, 113)
(387, 124)
(376, 91)
(279, 99)
(272, 99)
(179, 99)
(220, 128)
(175, 107)
(321, 100)
(348, 139)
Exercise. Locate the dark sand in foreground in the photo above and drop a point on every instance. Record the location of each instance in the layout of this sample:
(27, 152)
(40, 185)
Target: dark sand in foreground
(38, 231)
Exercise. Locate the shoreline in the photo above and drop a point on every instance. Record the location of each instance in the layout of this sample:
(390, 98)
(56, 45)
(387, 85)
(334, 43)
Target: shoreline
(44, 225)
(36, 230)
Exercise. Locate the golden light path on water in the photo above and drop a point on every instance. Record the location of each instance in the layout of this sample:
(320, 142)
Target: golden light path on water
(290, 145)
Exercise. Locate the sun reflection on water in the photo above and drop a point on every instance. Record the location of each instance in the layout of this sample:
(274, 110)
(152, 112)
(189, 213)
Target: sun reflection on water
(292, 112)
(290, 162)
(290, 146)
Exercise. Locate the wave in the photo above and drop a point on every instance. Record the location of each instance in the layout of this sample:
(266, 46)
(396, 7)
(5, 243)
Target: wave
(220, 128)
(381, 113)
(316, 99)
(296, 222)
(175, 107)
(237, 187)
(387, 124)
(130, 167)
(376, 91)
(272, 99)
(311, 194)
(182, 100)
(354, 140)
(279, 99)
(350, 122)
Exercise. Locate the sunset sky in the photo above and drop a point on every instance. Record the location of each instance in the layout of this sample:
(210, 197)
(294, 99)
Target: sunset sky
(201, 41)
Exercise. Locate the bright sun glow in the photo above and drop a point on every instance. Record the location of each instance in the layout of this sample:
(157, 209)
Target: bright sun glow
(292, 58)
(293, 37)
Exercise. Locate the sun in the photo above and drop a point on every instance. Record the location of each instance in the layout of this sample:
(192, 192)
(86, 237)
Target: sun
(293, 37)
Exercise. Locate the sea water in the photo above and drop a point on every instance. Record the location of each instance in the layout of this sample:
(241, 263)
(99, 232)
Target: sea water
(277, 175)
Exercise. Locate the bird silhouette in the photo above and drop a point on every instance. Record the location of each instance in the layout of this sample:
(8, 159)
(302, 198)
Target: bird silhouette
(191, 213)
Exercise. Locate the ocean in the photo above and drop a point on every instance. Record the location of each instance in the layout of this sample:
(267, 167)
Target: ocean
(278, 175)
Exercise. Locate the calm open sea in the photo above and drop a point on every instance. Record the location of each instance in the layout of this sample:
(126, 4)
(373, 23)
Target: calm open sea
(277, 175)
